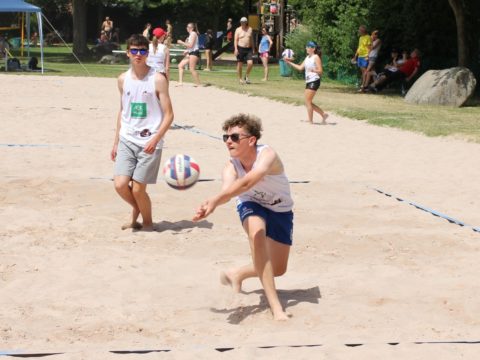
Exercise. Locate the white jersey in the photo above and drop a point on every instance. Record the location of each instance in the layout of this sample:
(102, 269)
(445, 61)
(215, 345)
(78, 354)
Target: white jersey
(309, 66)
(141, 112)
(156, 59)
(190, 42)
(272, 192)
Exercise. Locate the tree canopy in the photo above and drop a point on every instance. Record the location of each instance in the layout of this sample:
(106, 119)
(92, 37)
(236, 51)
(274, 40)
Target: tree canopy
(431, 26)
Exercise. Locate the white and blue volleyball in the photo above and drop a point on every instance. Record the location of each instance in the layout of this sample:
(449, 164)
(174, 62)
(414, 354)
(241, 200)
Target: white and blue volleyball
(181, 171)
(288, 54)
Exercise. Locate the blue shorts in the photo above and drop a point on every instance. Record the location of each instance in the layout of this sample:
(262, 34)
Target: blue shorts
(362, 62)
(279, 225)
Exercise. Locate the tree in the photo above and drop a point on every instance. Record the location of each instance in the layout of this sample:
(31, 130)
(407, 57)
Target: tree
(79, 15)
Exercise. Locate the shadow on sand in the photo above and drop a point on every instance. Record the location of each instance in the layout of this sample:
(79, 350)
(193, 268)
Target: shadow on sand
(288, 298)
(181, 225)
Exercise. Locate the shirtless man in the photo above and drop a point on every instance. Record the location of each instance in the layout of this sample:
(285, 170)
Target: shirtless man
(244, 49)
(145, 116)
(107, 26)
(255, 175)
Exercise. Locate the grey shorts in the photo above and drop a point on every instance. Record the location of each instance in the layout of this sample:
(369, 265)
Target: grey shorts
(132, 161)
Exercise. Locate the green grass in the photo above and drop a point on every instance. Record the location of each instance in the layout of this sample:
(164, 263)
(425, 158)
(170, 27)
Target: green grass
(382, 110)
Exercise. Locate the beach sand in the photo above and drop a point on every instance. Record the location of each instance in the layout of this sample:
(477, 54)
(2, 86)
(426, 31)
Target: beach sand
(364, 269)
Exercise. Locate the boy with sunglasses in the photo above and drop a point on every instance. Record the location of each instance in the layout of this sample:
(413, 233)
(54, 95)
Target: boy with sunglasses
(255, 175)
(145, 116)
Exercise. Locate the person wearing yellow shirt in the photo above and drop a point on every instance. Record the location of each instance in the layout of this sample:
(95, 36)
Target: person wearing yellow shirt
(361, 55)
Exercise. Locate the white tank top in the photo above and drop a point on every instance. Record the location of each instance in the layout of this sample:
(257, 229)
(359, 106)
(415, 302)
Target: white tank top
(309, 66)
(156, 59)
(190, 41)
(141, 111)
(272, 192)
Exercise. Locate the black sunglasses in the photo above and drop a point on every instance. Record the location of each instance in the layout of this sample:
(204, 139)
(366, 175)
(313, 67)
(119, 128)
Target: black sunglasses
(235, 137)
(142, 52)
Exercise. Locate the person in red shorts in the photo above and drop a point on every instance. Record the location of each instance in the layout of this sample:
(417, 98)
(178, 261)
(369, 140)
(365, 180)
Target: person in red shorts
(406, 71)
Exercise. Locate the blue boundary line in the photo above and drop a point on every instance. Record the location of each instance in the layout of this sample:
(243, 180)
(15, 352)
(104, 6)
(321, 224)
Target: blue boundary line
(428, 210)
(195, 131)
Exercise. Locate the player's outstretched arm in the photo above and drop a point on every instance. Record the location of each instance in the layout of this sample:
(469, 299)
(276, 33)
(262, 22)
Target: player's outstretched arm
(236, 187)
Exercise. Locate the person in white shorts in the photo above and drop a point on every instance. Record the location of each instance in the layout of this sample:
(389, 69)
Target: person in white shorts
(256, 176)
(145, 116)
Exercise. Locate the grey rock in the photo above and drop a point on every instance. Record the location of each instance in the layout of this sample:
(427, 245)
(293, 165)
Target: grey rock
(451, 87)
(109, 59)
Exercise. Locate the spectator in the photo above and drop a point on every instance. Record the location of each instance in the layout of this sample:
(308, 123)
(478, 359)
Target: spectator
(264, 51)
(107, 26)
(116, 36)
(34, 39)
(192, 55)
(4, 47)
(103, 38)
(361, 55)
(406, 71)
(146, 31)
(229, 30)
(372, 59)
(243, 45)
(209, 44)
(395, 61)
(169, 36)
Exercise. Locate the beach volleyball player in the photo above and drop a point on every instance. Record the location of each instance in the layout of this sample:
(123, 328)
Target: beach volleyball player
(144, 117)
(255, 175)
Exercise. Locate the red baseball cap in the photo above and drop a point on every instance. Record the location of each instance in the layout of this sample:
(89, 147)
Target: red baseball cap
(158, 32)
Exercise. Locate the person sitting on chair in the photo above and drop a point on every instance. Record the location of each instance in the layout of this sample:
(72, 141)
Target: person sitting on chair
(406, 71)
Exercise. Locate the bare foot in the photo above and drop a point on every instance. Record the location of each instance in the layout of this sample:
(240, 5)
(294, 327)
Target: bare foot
(147, 228)
(324, 117)
(264, 79)
(229, 278)
(134, 225)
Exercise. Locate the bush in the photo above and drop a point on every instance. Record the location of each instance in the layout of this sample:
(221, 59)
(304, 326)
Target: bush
(334, 23)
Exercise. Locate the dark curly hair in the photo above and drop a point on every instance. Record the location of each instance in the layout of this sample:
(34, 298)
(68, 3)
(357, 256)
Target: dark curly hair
(251, 123)
(137, 40)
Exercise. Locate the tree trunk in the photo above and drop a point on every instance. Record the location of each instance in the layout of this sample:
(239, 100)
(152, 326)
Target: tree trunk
(79, 14)
(458, 7)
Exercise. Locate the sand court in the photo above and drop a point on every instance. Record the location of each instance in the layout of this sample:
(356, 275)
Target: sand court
(364, 268)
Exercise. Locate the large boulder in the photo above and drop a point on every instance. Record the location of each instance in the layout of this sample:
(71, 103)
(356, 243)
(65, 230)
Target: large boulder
(450, 87)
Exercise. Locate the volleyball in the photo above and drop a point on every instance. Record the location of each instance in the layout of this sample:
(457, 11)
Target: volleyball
(173, 61)
(288, 54)
(181, 171)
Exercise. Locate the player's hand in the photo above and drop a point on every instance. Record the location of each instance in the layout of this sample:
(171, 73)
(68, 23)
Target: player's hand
(113, 153)
(150, 146)
(205, 209)
(235, 53)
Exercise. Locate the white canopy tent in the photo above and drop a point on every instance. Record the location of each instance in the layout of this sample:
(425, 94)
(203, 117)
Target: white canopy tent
(20, 6)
